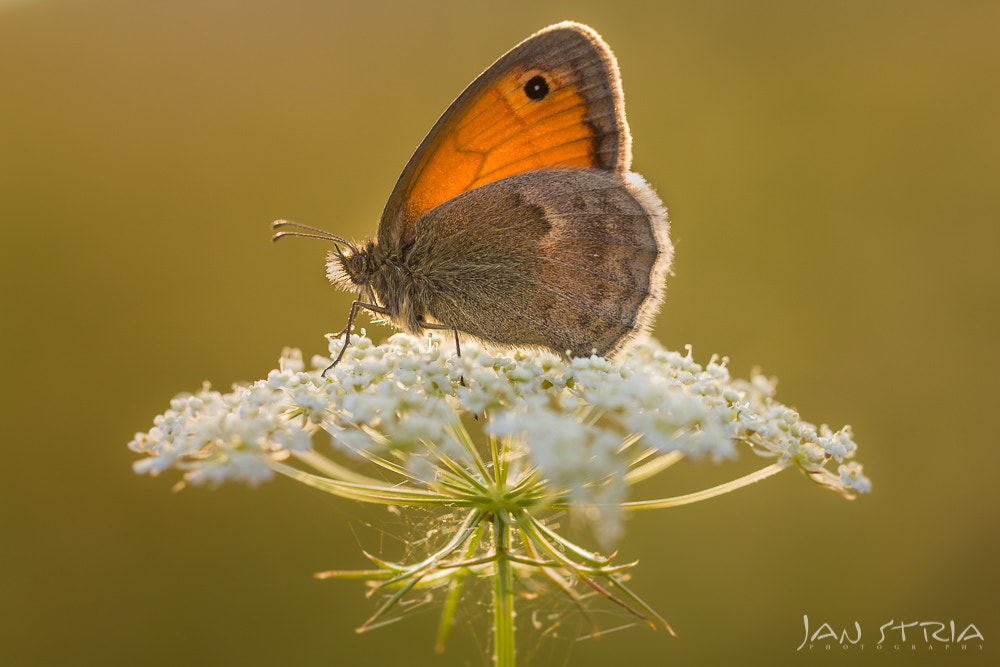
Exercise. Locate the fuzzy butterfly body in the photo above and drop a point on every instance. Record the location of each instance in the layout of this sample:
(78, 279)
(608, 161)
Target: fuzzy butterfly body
(517, 220)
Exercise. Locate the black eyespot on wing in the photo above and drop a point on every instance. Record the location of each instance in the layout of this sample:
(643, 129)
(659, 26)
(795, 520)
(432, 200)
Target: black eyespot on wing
(536, 88)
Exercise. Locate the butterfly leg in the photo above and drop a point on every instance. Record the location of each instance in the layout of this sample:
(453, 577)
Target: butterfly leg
(458, 351)
(346, 331)
(458, 346)
(444, 327)
(350, 319)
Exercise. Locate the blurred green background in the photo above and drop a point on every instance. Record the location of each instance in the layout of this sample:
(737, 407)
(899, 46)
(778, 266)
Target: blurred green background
(831, 170)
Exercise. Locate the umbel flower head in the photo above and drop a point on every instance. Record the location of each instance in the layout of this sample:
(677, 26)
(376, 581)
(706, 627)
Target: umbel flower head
(501, 440)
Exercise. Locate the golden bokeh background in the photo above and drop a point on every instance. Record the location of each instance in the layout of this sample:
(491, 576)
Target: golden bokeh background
(833, 177)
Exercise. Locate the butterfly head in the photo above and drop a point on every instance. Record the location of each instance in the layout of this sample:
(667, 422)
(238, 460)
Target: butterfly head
(350, 267)
(354, 267)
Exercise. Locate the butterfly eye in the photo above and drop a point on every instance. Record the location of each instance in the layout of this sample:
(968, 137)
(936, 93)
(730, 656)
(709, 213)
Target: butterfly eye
(536, 88)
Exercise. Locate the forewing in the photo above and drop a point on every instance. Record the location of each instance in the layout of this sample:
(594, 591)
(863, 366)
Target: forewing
(551, 103)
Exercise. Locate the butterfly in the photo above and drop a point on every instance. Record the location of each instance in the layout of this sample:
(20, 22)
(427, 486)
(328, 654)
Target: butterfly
(518, 221)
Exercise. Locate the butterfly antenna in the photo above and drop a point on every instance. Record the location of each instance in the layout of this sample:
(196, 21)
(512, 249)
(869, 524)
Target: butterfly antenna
(316, 233)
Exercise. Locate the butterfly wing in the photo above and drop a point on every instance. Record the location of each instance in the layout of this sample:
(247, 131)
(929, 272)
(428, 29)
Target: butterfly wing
(553, 102)
(566, 260)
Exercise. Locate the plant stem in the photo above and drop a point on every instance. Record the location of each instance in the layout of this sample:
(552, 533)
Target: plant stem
(676, 501)
(503, 596)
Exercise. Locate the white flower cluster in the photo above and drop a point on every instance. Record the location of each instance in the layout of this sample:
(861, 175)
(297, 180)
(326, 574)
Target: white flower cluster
(217, 437)
(577, 424)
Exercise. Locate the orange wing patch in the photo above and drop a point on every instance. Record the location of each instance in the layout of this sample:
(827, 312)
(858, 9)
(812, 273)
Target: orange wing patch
(507, 132)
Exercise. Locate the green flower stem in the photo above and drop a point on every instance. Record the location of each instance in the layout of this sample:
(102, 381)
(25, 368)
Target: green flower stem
(498, 449)
(463, 533)
(640, 603)
(540, 535)
(551, 564)
(746, 480)
(332, 469)
(463, 478)
(652, 467)
(546, 537)
(389, 604)
(503, 595)
(462, 435)
(551, 573)
(410, 576)
(370, 493)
